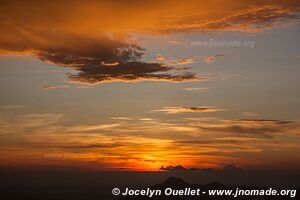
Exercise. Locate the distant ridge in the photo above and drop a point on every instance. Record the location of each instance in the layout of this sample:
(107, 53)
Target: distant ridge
(231, 167)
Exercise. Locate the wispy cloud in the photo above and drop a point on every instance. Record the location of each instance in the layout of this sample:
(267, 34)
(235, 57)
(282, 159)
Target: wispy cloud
(50, 87)
(182, 109)
(12, 106)
(185, 61)
(199, 89)
(259, 127)
(250, 114)
(213, 141)
(255, 18)
(88, 128)
(121, 118)
(160, 57)
(212, 59)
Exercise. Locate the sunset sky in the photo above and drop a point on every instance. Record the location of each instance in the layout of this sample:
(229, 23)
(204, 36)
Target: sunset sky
(147, 83)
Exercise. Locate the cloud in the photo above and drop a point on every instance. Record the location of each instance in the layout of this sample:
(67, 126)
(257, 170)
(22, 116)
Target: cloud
(11, 106)
(152, 17)
(78, 146)
(176, 62)
(30, 122)
(196, 89)
(105, 58)
(194, 142)
(185, 61)
(68, 49)
(121, 118)
(228, 167)
(175, 42)
(181, 109)
(259, 121)
(159, 57)
(212, 59)
(254, 18)
(228, 141)
(100, 47)
(193, 59)
(110, 64)
(146, 119)
(88, 128)
(131, 72)
(85, 86)
(250, 114)
(49, 87)
(173, 168)
(260, 127)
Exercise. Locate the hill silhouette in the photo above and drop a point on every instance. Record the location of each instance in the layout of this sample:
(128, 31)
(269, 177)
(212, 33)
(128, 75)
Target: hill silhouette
(81, 185)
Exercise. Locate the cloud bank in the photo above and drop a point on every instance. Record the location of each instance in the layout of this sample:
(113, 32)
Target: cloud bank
(99, 46)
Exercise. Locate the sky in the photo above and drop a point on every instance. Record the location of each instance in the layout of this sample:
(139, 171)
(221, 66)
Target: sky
(134, 85)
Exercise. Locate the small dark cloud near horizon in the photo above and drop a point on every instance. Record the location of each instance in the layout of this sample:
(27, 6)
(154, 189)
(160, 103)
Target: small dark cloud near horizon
(227, 167)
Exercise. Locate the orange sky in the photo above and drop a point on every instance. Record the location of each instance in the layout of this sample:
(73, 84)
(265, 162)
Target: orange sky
(120, 79)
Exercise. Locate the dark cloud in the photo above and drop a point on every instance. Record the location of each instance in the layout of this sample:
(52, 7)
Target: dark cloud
(228, 167)
(66, 48)
(105, 58)
(93, 53)
(131, 72)
(182, 109)
(261, 127)
(173, 168)
(264, 131)
(181, 168)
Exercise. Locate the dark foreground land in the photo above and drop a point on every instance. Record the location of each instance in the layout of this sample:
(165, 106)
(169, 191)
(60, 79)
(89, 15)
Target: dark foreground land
(83, 185)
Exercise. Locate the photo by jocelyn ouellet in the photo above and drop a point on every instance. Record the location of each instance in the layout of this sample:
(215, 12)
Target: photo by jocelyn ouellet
(149, 99)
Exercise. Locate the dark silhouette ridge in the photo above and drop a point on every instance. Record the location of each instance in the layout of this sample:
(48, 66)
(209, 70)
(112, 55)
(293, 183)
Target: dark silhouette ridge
(231, 167)
(82, 185)
(175, 182)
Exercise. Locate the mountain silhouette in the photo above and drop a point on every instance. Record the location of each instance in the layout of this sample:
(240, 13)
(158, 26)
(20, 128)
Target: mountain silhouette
(176, 183)
(75, 185)
(231, 167)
